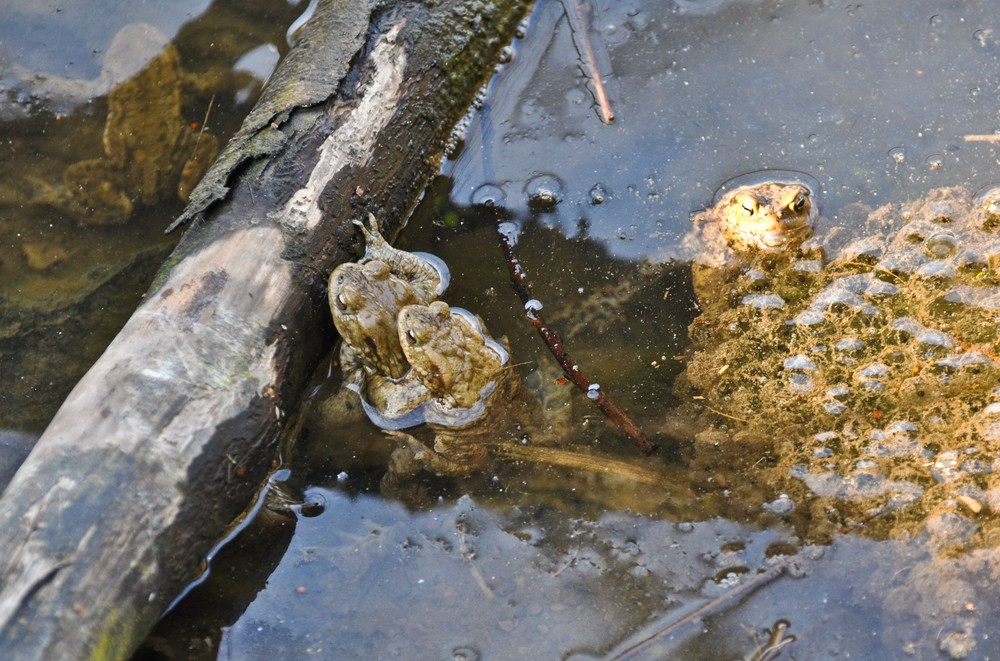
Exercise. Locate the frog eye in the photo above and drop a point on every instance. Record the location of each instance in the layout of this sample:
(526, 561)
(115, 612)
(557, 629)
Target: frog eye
(748, 203)
(798, 203)
(411, 338)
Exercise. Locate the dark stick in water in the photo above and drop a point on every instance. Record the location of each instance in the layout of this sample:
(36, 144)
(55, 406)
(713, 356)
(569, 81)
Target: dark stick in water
(519, 278)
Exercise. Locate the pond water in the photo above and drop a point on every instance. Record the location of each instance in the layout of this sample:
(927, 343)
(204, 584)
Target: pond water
(871, 103)
(68, 282)
(867, 103)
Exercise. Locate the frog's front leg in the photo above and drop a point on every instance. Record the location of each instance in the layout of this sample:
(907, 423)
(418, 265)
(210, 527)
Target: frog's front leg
(429, 459)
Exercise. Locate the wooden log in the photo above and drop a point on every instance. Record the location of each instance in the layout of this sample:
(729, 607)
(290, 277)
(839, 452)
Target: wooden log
(166, 439)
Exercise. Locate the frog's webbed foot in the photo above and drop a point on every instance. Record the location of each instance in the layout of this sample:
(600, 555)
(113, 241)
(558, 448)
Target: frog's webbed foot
(376, 247)
(429, 460)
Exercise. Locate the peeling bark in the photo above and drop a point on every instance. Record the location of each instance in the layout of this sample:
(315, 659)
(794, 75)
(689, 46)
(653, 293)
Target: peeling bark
(166, 439)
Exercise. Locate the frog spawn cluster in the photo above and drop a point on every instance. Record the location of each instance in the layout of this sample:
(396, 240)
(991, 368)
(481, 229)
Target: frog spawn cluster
(873, 360)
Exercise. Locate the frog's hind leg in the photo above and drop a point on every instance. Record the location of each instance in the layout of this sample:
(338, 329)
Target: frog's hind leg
(421, 274)
(427, 459)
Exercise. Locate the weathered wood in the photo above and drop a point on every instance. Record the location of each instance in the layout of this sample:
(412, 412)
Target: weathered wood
(166, 439)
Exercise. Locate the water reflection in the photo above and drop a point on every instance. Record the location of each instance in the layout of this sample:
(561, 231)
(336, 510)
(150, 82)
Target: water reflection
(106, 121)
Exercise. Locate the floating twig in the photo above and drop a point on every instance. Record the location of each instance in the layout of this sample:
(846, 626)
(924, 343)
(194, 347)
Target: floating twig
(519, 278)
(581, 36)
(981, 137)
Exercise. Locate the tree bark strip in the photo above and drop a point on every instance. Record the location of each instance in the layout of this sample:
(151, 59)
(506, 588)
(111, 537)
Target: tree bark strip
(167, 438)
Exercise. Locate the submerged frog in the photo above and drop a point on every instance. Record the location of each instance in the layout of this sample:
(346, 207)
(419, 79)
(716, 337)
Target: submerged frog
(151, 153)
(858, 368)
(365, 300)
(478, 400)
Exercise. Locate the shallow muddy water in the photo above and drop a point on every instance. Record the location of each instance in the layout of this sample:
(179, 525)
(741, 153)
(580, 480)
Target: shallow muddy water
(67, 284)
(870, 103)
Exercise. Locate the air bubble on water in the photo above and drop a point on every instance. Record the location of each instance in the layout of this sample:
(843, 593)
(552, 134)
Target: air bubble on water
(849, 344)
(764, 301)
(598, 194)
(898, 155)
(945, 468)
(532, 308)
(593, 391)
(522, 29)
(544, 192)
(834, 407)
(934, 162)
(782, 505)
(488, 195)
(941, 245)
(799, 362)
(800, 383)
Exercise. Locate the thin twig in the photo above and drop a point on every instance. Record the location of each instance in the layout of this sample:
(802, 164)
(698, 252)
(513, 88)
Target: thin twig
(204, 122)
(981, 137)
(712, 607)
(554, 342)
(582, 36)
(470, 556)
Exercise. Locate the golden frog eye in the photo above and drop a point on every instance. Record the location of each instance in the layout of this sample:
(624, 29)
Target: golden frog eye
(748, 203)
(798, 203)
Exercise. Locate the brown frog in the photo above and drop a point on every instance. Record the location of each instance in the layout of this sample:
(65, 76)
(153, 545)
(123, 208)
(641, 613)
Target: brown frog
(765, 223)
(365, 300)
(478, 400)
(151, 153)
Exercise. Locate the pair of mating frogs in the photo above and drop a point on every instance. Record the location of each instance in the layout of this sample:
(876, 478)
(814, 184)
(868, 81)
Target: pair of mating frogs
(150, 152)
(859, 359)
(412, 359)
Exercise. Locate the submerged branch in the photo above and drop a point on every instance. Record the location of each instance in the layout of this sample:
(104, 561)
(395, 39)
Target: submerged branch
(586, 462)
(555, 344)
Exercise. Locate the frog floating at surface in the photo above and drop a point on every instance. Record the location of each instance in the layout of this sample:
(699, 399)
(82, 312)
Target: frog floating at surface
(151, 153)
(365, 300)
(478, 400)
(862, 362)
